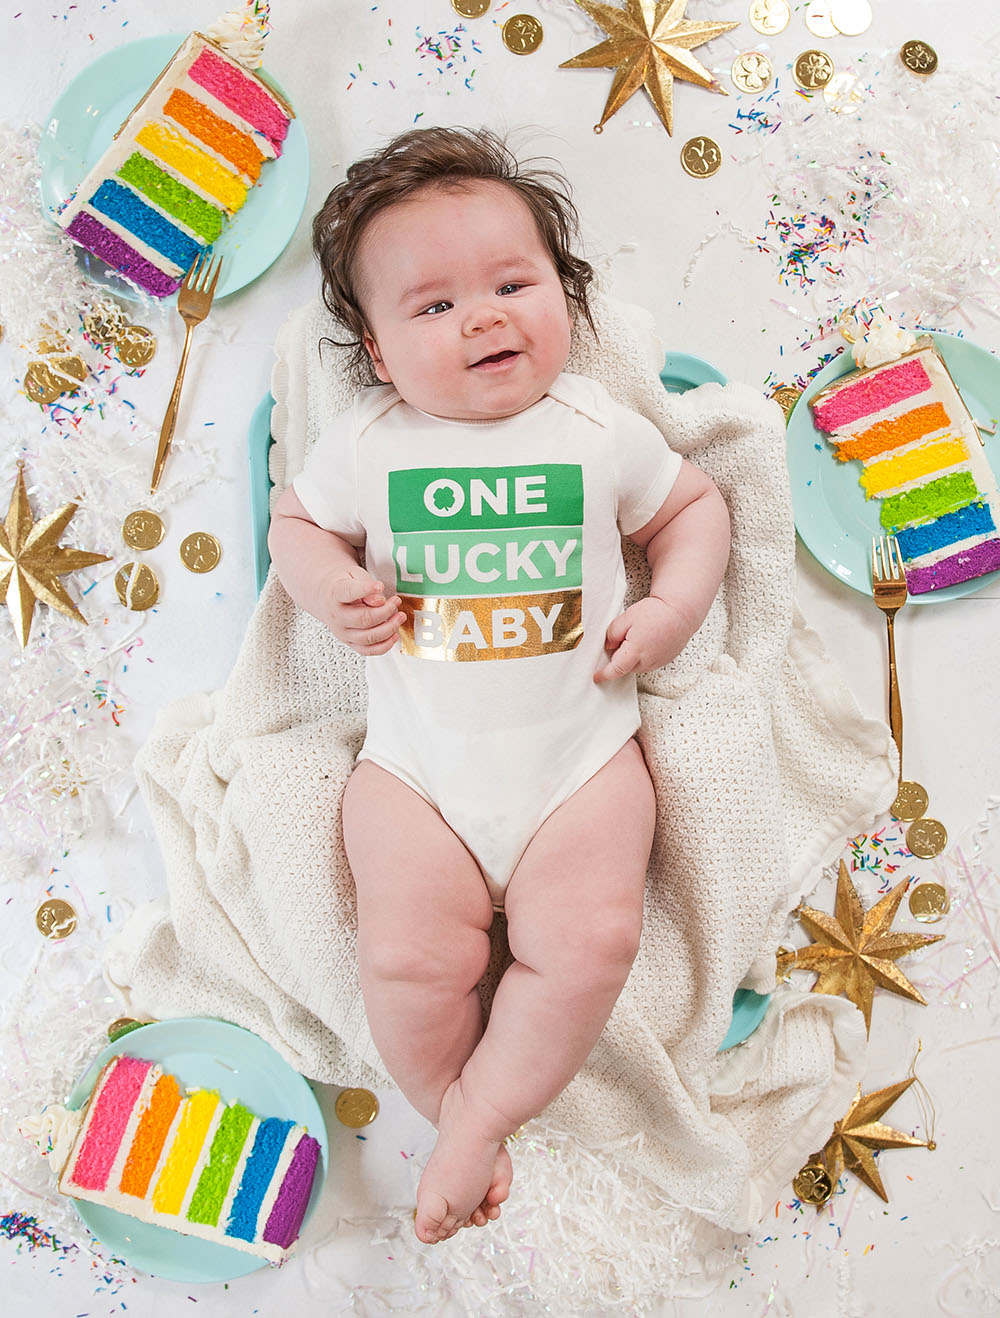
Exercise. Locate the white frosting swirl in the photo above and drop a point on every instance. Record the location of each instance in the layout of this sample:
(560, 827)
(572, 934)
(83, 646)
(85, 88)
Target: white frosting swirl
(883, 342)
(52, 1132)
(241, 35)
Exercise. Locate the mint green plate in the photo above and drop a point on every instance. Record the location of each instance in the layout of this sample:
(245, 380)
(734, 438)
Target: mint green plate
(832, 516)
(93, 107)
(212, 1054)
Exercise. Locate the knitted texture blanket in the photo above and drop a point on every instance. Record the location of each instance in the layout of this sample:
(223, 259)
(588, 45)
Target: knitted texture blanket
(762, 764)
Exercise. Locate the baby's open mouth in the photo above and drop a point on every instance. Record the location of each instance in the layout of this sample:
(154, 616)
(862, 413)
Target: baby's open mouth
(496, 357)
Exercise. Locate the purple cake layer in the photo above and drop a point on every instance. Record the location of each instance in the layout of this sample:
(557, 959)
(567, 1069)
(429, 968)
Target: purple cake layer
(289, 1209)
(963, 566)
(93, 235)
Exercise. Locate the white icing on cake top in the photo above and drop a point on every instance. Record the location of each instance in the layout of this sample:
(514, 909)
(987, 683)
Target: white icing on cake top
(52, 1132)
(883, 342)
(241, 33)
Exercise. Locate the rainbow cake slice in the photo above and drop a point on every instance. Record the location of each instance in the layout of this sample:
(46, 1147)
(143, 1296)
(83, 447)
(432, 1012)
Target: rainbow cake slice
(190, 1161)
(179, 167)
(921, 455)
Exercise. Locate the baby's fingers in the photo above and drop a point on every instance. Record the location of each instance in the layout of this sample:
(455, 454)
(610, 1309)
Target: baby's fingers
(366, 640)
(354, 585)
(625, 660)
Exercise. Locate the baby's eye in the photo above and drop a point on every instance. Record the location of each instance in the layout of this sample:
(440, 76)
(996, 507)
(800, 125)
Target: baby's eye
(433, 309)
(514, 287)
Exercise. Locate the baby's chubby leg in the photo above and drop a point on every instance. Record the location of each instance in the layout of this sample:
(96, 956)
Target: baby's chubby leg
(424, 915)
(574, 916)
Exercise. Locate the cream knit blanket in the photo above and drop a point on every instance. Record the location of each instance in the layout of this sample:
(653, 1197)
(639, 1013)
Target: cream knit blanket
(762, 764)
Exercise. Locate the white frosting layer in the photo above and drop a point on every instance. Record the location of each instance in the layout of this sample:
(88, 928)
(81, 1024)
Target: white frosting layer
(883, 342)
(52, 1132)
(241, 36)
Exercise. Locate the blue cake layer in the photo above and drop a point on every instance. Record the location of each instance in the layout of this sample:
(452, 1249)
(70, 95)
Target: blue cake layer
(267, 1146)
(973, 519)
(120, 204)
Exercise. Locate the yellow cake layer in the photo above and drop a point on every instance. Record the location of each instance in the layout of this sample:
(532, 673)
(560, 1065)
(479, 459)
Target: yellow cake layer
(909, 466)
(185, 1149)
(168, 145)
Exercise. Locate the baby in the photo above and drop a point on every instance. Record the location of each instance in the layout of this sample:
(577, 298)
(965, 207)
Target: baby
(461, 526)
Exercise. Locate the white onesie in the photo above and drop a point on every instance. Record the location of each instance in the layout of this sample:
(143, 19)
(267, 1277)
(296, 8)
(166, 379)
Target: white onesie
(503, 539)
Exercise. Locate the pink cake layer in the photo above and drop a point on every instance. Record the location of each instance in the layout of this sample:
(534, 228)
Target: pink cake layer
(108, 1121)
(871, 393)
(237, 91)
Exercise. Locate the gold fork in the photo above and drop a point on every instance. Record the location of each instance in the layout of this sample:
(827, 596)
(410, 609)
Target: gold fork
(889, 590)
(194, 301)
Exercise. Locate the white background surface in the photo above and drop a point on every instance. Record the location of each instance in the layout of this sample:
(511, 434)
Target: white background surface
(643, 220)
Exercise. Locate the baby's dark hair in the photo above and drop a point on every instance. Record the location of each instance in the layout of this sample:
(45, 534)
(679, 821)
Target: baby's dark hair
(425, 158)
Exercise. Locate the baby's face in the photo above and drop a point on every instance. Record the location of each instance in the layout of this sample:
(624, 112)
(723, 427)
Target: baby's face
(452, 279)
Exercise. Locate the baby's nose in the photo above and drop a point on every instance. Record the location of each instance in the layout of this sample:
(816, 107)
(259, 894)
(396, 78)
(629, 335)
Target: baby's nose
(484, 317)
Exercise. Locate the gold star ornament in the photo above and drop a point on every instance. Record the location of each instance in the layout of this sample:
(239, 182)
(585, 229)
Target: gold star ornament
(31, 561)
(855, 949)
(858, 1134)
(649, 45)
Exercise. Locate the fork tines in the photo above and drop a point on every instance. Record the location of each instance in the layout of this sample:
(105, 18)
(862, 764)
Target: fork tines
(203, 274)
(887, 559)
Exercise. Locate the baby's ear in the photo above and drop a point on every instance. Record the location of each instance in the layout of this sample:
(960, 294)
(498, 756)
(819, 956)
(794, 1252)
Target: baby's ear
(371, 347)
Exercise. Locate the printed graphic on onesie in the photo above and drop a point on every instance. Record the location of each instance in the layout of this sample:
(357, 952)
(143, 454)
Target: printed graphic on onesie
(488, 560)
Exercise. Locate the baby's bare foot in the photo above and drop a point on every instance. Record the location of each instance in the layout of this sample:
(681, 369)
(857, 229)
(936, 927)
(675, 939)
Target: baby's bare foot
(503, 1174)
(465, 1174)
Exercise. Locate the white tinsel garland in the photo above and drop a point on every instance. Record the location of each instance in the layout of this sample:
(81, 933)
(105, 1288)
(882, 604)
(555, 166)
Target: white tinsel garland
(64, 758)
(911, 177)
(921, 156)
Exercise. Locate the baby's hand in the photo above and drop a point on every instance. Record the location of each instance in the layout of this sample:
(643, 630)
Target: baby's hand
(646, 636)
(359, 614)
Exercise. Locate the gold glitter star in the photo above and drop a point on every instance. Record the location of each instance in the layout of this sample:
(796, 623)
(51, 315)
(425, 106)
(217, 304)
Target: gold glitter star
(855, 950)
(649, 44)
(858, 1134)
(31, 560)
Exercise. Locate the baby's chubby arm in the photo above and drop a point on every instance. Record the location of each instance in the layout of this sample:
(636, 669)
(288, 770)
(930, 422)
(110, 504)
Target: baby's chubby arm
(321, 572)
(687, 547)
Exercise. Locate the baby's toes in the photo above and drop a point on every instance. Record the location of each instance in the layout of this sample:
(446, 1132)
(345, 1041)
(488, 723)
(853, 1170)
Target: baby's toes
(434, 1220)
(503, 1174)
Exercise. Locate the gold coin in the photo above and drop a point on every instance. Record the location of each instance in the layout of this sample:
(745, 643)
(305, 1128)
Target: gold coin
(842, 93)
(52, 340)
(851, 17)
(910, 803)
(45, 381)
(786, 397)
(847, 325)
(200, 551)
(55, 919)
(928, 902)
(926, 838)
(813, 1184)
(769, 16)
(470, 8)
(701, 157)
(135, 345)
(137, 586)
(752, 71)
(919, 57)
(818, 19)
(356, 1107)
(522, 34)
(813, 69)
(124, 1025)
(104, 322)
(142, 529)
